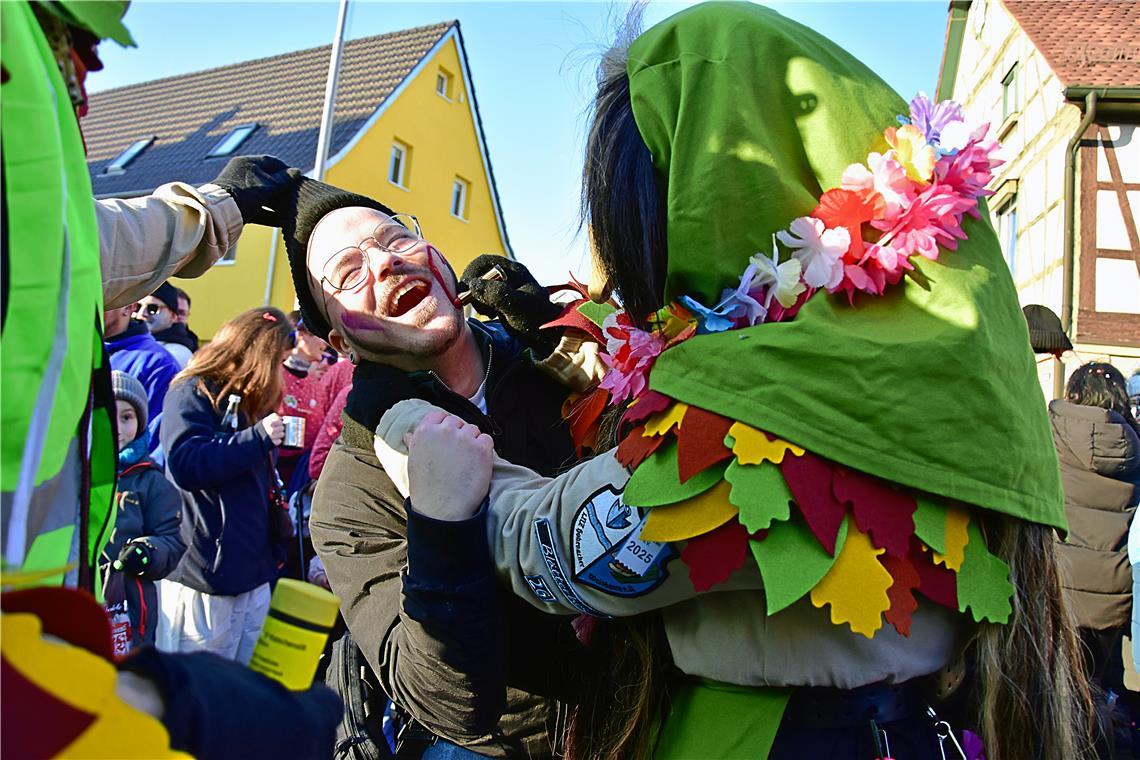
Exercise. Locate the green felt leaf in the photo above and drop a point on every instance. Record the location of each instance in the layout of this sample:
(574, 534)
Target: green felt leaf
(983, 581)
(791, 561)
(656, 482)
(596, 312)
(760, 493)
(930, 522)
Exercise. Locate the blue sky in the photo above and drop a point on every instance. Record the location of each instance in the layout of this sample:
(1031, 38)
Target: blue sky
(533, 66)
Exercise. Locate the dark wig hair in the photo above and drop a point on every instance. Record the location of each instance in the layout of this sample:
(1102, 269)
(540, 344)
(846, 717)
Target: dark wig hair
(622, 203)
(1100, 384)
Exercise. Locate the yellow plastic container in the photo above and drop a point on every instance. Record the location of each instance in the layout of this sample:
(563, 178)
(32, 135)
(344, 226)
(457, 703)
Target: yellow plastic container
(293, 637)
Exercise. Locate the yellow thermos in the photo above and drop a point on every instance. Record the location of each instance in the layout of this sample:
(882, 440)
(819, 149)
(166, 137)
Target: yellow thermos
(300, 618)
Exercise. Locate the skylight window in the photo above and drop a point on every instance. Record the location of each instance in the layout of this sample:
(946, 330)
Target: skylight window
(119, 165)
(232, 141)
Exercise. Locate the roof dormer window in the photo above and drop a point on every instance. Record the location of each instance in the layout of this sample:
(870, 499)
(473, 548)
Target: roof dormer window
(232, 141)
(119, 165)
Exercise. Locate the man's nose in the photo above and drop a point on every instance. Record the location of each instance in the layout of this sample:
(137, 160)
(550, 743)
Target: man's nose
(384, 263)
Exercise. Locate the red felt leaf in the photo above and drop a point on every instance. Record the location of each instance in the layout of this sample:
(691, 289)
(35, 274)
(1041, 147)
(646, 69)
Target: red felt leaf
(850, 210)
(712, 558)
(809, 479)
(635, 448)
(571, 317)
(935, 582)
(900, 593)
(882, 512)
(584, 415)
(700, 442)
(648, 404)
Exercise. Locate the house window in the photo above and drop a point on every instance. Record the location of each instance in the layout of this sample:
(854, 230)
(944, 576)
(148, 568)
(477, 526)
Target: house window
(119, 165)
(229, 257)
(459, 198)
(1007, 232)
(443, 84)
(1009, 102)
(230, 142)
(398, 164)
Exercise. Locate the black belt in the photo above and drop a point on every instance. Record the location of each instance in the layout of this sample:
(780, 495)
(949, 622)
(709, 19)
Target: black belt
(825, 707)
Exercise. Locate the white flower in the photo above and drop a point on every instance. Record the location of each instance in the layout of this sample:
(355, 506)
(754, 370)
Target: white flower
(782, 280)
(818, 249)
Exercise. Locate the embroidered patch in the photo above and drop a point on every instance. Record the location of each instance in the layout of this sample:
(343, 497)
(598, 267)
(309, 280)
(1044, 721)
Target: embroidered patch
(538, 585)
(609, 554)
(544, 534)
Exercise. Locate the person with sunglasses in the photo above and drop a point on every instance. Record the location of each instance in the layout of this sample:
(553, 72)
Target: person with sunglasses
(160, 310)
(221, 435)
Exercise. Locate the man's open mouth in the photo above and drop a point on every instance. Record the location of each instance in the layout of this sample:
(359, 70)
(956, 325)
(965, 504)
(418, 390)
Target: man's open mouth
(407, 296)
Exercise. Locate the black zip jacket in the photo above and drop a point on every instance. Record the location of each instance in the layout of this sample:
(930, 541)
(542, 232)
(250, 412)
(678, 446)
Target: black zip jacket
(468, 660)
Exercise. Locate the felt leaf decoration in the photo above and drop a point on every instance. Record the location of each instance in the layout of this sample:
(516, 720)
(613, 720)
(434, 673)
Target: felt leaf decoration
(760, 493)
(983, 581)
(655, 481)
(791, 561)
(957, 534)
(934, 582)
(572, 317)
(691, 518)
(700, 442)
(882, 512)
(752, 446)
(596, 312)
(809, 478)
(901, 593)
(636, 447)
(645, 406)
(930, 522)
(712, 558)
(856, 585)
(583, 416)
(662, 422)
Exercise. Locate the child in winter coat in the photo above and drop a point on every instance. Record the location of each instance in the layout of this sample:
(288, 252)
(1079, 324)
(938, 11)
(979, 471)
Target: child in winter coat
(145, 544)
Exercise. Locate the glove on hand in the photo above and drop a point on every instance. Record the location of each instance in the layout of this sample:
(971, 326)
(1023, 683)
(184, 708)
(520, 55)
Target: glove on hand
(519, 301)
(217, 708)
(135, 558)
(257, 183)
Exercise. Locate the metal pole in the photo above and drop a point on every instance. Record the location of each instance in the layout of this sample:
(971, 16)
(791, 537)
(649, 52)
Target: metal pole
(324, 137)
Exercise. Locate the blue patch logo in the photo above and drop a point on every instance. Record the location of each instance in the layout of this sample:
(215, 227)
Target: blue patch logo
(609, 554)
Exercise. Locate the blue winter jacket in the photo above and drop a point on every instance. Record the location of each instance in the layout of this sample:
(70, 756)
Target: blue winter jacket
(226, 480)
(136, 352)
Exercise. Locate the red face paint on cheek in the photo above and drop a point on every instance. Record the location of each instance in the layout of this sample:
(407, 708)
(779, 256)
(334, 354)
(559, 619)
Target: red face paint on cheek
(432, 253)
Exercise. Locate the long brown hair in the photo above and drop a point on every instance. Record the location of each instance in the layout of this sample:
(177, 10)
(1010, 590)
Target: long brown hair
(244, 358)
(1032, 696)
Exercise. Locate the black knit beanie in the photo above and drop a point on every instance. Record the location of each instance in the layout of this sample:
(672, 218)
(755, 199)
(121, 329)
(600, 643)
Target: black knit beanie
(1045, 333)
(311, 202)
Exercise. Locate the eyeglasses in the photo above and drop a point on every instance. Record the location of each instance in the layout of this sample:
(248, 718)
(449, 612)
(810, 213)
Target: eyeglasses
(348, 268)
(151, 309)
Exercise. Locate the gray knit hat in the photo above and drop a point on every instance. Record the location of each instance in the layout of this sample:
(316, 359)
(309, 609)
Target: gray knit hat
(129, 389)
(1045, 333)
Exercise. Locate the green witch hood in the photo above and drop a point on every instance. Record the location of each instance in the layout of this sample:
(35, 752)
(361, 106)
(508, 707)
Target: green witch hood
(749, 117)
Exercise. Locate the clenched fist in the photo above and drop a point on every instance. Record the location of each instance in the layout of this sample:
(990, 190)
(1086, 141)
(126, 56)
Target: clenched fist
(449, 467)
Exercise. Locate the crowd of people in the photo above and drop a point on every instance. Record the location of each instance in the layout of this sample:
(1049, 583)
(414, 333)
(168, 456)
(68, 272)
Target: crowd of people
(729, 499)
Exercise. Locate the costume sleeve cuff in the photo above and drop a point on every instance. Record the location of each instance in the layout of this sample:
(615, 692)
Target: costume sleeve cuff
(446, 551)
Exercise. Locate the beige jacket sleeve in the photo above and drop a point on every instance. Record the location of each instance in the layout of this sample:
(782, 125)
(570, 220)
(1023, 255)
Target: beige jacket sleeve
(176, 230)
(566, 544)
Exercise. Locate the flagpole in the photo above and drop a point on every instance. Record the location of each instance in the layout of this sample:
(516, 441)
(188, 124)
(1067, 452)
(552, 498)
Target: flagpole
(324, 137)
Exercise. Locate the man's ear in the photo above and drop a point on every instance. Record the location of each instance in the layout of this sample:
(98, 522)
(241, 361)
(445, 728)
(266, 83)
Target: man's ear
(337, 341)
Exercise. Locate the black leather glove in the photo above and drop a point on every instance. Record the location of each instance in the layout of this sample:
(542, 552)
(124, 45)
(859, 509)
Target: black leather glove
(519, 301)
(217, 708)
(257, 184)
(135, 558)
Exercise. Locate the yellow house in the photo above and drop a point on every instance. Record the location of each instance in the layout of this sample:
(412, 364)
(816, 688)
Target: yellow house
(406, 132)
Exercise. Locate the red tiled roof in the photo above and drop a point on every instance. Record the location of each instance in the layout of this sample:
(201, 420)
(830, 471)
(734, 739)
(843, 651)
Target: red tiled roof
(189, 114)
(1093, 43)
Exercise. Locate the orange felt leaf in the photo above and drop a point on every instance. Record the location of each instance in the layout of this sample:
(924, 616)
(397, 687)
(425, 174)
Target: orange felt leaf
(752, 446)
(901, 592)
(693, 517)
(957, 536)
(636, 447)
(662, 422)
(700, 442)
(583, 417)
(856, 585)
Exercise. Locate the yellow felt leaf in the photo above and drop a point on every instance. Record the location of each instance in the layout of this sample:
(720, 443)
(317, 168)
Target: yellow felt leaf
(753, 447)
(957, 536)
(693, 517)
(662, 422)
(856, 585)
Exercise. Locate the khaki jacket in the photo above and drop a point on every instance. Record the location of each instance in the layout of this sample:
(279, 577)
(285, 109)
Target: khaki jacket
(553, 541)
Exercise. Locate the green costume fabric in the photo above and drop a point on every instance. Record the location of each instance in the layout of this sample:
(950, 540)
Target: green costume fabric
(735, 722)
(750, 117)
(51, 349)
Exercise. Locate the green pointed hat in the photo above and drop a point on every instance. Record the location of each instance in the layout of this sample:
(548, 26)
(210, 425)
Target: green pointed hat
(750, 117)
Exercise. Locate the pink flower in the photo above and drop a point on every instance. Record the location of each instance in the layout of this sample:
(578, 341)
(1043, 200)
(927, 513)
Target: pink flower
(970, 169)
(818, 249)
(629, 354)
(886, 177)
(933, 219)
